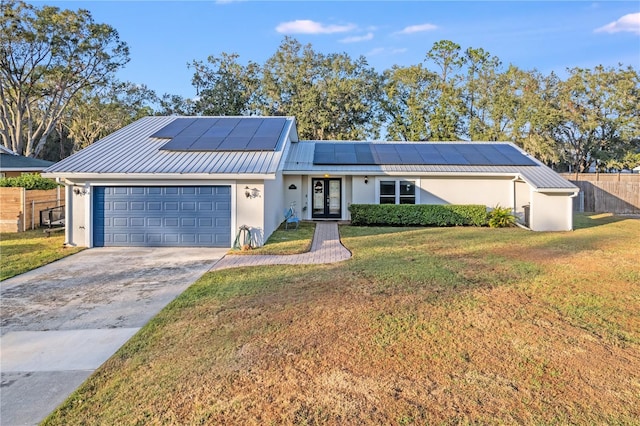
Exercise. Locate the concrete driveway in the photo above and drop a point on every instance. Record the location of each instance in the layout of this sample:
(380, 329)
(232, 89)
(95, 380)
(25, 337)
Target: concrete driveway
(62, 321)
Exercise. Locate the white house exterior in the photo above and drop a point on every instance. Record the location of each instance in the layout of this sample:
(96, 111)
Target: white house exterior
(193, 181)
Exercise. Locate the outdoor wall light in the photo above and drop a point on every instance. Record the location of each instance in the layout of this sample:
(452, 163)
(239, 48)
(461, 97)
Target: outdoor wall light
(251, 192)
(292, 186)
(80, 191)
(366, 180)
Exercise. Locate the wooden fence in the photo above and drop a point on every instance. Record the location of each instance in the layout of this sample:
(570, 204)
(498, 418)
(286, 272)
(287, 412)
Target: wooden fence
(602, 177)
(20, 209)
(607, 193)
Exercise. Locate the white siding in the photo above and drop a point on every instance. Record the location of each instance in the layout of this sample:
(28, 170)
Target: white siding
(274, 204)
(250, 210)
(551, 212)
(458, 190)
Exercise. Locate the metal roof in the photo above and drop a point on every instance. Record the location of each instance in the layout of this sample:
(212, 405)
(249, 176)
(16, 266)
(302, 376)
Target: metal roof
(418, 153)
(19, 162)
(132, 150)
(222, 134)
(300, 160)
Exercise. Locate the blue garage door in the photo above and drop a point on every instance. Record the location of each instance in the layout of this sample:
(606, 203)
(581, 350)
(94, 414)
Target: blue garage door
(190, 216)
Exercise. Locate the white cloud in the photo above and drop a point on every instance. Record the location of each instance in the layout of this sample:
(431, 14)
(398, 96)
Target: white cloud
(411, 29)
(628, 23)
(356, 39)
(307, 26)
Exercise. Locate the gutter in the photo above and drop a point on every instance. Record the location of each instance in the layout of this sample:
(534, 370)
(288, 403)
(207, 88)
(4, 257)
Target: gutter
(159, 176)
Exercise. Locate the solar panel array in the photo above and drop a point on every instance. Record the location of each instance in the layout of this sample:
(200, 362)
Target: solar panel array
(463, 154)
(222, 134)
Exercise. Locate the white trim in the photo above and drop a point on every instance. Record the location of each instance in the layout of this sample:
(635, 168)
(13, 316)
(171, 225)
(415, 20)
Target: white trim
(159, 177)
(136, 182)
(23, 169)
(234, 211)
(397, 180)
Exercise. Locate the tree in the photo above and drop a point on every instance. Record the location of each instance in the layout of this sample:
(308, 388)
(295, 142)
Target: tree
(409, 94)
(331, 96)
(47, 56)
(225, 87)
(600, 122)
(478, 93)
(95, 114)
(446, 121)
(175, 105)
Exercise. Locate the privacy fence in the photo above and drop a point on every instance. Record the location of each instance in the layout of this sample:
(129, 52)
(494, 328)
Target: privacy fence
(20, 208)
(606, 193)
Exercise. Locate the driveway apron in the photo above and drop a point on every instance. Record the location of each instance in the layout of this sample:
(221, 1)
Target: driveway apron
(62, 321)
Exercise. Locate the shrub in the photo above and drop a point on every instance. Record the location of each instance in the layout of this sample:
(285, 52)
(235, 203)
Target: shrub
(418, 215)
(501, 217)
(28, 181)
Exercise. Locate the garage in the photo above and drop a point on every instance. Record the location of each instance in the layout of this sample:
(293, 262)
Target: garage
(172, 216)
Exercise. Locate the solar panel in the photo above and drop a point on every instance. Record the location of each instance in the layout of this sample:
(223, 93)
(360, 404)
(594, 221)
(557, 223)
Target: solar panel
(178, 143)
(515, 156)
(233, 144)
(429, 155)
(173, 129)
(450, 154)
(344, 153)
(407, 153)
(363, 154)
(206, 143)
(222, 134)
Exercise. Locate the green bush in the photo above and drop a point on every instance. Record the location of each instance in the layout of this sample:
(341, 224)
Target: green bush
(28, 181)
(501, 217)
(418, 215)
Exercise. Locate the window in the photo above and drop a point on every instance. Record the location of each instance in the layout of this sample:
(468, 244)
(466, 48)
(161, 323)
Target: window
(397, 192)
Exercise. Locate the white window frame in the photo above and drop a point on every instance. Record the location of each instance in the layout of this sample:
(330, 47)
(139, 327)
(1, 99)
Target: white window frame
(398, 180)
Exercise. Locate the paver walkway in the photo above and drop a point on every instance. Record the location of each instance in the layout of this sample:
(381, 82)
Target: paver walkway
(326, 248)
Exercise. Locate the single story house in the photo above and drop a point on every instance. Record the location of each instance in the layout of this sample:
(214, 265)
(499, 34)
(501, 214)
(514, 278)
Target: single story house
(194, 181)
(13, 164)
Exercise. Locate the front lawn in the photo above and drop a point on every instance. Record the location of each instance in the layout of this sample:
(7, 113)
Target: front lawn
(286, 241)
(23, 251)
(421, 326)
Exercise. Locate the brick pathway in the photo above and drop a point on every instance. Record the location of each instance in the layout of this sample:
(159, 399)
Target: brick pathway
(326, 248)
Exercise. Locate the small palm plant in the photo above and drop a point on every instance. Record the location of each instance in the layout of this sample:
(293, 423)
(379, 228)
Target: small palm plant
(501, 217)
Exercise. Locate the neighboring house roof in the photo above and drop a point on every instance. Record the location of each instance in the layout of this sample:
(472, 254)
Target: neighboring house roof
(14, 162)
(301, 160)
(5, 150)
(134, 150)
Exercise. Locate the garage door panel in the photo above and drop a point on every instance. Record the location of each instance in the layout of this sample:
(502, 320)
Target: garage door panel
(162, 216)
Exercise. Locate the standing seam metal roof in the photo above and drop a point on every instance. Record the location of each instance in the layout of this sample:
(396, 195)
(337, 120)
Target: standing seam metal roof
(133, 150)
(541, 177)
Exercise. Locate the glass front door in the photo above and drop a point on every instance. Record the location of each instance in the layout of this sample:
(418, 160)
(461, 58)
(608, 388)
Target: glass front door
(327, 200)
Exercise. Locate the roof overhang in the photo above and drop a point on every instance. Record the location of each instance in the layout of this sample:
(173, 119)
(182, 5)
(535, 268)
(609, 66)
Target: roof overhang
(158, 177)
(22, 169)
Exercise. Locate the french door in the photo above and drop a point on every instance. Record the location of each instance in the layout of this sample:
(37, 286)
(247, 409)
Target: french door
(327, 198)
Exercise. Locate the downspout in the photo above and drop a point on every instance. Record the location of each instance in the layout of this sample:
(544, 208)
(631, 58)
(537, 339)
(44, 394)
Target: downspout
(574, 195)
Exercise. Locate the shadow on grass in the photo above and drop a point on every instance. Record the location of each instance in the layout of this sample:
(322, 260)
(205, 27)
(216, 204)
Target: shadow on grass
(590, 220)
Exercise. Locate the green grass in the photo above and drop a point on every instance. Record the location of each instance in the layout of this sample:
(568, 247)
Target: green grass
(291, 241)
(421, 326)
(23, 251)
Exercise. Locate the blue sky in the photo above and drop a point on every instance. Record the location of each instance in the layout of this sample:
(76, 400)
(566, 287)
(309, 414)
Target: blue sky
(549, 35)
